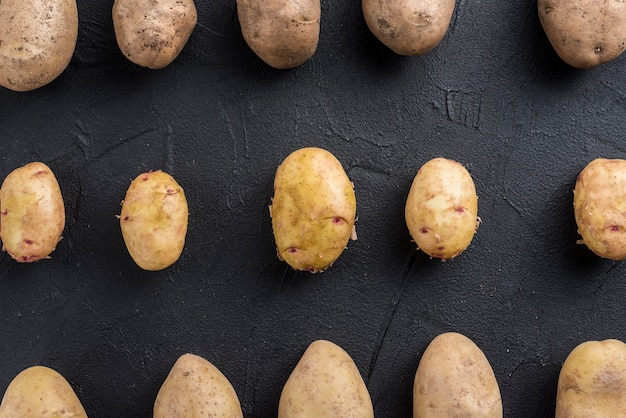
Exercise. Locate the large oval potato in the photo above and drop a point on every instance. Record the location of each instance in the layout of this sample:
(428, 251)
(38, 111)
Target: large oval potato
(37, 41)
(283, 33)
(408, 27)
(325, 383)
(455, 379)
(592, 381)
(153, 33)
(154, 220)
(584, 33)
(442, 208)
(313, 209)
(600, 207)
(32, 213)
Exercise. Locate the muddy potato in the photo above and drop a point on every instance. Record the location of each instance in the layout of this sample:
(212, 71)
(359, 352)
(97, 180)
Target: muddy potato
(153, 33)
(325, 383)
(408, 27)
(592, 381)
(32, 213)
(194, 388)
(283, 33)
(584, 33)
(455, 379)
(40, 392)
(313, 209)
(37, 41)
(154, 220)
(441, 208)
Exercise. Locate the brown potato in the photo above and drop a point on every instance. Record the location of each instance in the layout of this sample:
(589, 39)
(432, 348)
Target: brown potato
(584, 33)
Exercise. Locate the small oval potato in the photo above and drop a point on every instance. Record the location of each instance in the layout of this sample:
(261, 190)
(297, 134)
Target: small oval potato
(325, 383)
(154, 220)
(283, 33)
(600, 207)
(32, 213)
(313, 209)
(592, 382)
(193, 388)
(455, 379)
(441, 208)
(40, 392)
(153, 33)
(37, 41)
(408, 27)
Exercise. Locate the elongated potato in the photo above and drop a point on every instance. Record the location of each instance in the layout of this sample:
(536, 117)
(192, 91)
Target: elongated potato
(32, 213)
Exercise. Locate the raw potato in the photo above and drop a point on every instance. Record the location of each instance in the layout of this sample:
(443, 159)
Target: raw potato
(313, 209)
(408, 27)
(441, 208)
(40, 392)
(37, 41)
(283, 33)
(325, 383)
(584, 33)
(600, 207)
(152, 33)
(592, 382)
(32, 213)
(196, 388)
(455, 379)
(154, 220)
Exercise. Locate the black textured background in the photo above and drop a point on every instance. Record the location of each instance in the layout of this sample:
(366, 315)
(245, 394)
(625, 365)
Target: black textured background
(493, 95)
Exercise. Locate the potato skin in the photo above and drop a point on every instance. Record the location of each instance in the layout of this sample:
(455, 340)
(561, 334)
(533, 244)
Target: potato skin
(441, 208)
(313, 209)
(592, 381)
(600, 207)
(32, 213)
(325, 383)
(152, 33)
(283, 33)
(455, 379)
(584, 33)
(154, 220)
(37, 41)
(408, 27)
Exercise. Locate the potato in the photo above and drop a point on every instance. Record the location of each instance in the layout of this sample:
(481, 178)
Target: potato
(592, 382)
(283, 33)
(600, 207)
(325, 383)
(441, 208)
(584, 33)
(37, 41)
(455, 379)
(408, 27)
(152, 33)
(154, 220)
(196, 388)
(32, 213)
(313, 209)
(40, 392)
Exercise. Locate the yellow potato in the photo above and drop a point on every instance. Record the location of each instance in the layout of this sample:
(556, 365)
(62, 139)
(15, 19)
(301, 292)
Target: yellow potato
(283, 33)
(32, 213)
(408, 27)
(441, 208)
(153, 33)
(154, 220)
(455, 379)
(195, 388)
(313, 209)
(592, 382)
(40, 392)
(325, 383)
(37, 41)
